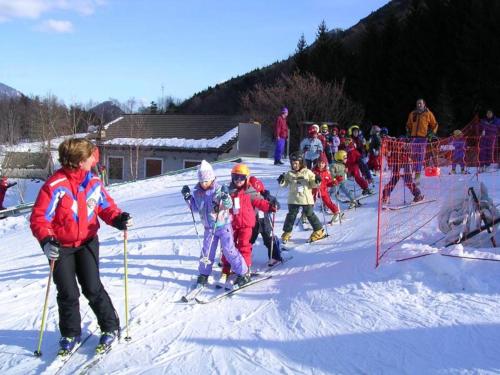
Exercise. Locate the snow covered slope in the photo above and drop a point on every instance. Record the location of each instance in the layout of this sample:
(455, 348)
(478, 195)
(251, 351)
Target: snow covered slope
(327, 311)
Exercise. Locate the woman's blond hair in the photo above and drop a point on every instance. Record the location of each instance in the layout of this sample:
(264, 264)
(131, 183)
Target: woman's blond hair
(73, 151)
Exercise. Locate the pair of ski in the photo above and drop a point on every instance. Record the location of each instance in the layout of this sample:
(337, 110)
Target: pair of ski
(411, 204)
(196, 291)
(356, 199)
(257, 277)
(63, 356)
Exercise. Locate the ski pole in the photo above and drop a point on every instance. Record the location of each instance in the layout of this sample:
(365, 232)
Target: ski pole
(194, 224)
(272, 236)
(125, 240)
(38, 352)
(322, 211)
(336, 188)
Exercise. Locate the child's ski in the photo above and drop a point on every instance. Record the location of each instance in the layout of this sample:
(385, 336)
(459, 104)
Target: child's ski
(357, 198)
(269, 268)
(235, 289)
(193, 292)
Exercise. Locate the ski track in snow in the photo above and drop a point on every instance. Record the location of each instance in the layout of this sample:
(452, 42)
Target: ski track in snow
(327, 311)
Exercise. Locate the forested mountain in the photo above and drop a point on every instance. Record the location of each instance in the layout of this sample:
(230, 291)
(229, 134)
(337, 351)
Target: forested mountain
(8, 92)
(444, 51)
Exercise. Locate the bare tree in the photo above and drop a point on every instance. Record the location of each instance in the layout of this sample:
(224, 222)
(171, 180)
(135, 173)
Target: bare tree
(307, 98)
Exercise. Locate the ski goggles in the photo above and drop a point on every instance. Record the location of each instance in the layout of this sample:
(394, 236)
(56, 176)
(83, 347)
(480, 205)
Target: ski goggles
(236, 177)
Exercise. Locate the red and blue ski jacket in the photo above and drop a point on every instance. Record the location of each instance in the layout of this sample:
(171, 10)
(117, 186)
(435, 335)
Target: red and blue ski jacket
(68, 205)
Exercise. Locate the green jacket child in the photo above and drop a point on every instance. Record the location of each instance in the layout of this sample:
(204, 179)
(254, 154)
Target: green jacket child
(300, 181)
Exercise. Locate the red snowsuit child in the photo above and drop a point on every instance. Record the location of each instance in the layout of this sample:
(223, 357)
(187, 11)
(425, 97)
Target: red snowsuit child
(327, 181)
(353, 157)
(245, 200)
(4, 186)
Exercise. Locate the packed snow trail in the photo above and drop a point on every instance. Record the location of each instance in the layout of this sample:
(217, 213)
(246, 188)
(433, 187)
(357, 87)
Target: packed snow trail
(325, 311)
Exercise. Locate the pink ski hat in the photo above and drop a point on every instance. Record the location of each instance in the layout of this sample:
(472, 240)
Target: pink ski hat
(205, 172)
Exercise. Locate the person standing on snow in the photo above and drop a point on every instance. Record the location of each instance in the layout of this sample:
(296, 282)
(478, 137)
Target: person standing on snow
(311, 147)
(301, 181)
(4, 186)
(280, 135)
(264, 224)
(327, 182)
(65, 222)
(245, 201)
(420, 126)
(489, 127)
(213, 202)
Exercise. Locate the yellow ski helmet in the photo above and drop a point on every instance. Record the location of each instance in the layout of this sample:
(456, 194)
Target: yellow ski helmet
(352, 128)
(241, 169)
(340, 155)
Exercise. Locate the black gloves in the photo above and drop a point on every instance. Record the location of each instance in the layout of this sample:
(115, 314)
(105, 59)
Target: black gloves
(186, 192)
(224, 192)
(281, 178)
(317, 179)
(50, 247)
(123, 221)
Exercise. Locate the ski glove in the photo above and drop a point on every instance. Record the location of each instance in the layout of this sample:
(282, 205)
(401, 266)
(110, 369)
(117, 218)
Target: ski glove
(51, 248)
(273, 202)
(317, 179)
(281, 178)
(123, 221)
(186, 192)
(224, 192)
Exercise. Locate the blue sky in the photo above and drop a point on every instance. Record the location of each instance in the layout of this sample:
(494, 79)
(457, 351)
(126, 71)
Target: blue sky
(81, 50)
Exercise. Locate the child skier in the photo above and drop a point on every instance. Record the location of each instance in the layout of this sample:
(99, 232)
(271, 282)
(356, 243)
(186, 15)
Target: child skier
(213, 202)
(360, 143)
(65, 222)
(327, 140)
(245, 201)
(311, 147)
(264, 224)
(321, 170)
(458, 155)
(301, 181)
(4, 186)
(353, 160)
(338, 171)
(398, 156)
(374, 148)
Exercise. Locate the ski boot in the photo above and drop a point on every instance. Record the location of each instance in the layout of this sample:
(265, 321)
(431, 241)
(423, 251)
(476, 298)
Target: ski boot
(202, 280)
(453, 171)
(418, 198)
(317, 235)
(107, 339)
(353, 204)
(285, 237)
(336, 217)
(67, 344)
(367, 191)
(242, 280)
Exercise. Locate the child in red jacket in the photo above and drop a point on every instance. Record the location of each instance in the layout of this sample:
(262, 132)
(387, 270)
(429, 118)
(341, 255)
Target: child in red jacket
(245, 200)
(353, 158)
(326, 182)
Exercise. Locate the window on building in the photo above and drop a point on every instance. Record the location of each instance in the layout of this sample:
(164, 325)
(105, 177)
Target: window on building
(115, 168)
(191, 163)
(153, 167)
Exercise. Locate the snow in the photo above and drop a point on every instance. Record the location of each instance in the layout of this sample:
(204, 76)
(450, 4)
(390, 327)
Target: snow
(177, 142)
(327, 311)
(39, 146)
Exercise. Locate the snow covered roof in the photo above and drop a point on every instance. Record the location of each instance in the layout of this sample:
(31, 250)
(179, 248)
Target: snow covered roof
(213, 143)
(173, 131)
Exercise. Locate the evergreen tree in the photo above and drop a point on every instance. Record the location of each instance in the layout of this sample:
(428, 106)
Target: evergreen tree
(301, 58)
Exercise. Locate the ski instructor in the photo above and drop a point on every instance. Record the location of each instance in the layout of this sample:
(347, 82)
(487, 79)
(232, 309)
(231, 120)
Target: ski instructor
(64, 221)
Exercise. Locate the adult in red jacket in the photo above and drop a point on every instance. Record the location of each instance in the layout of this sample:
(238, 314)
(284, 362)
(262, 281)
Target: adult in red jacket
(245, 200)
(4, 186)
(327, 182)
(353, 157)
(280, 135)
(65, 222)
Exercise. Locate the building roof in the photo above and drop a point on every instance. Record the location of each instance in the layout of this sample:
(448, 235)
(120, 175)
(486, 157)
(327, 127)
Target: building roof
(173, 131)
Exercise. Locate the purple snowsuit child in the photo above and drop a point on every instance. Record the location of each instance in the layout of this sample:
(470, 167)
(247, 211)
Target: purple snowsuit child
(213, 205)
(458, 156)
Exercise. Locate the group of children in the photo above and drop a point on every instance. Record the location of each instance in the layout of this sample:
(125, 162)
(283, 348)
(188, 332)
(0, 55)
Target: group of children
(232, 215)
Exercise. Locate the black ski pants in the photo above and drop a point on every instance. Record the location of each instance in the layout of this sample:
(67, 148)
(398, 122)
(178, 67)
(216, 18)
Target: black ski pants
(263, 226)
(307, 210)
(82, 263)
